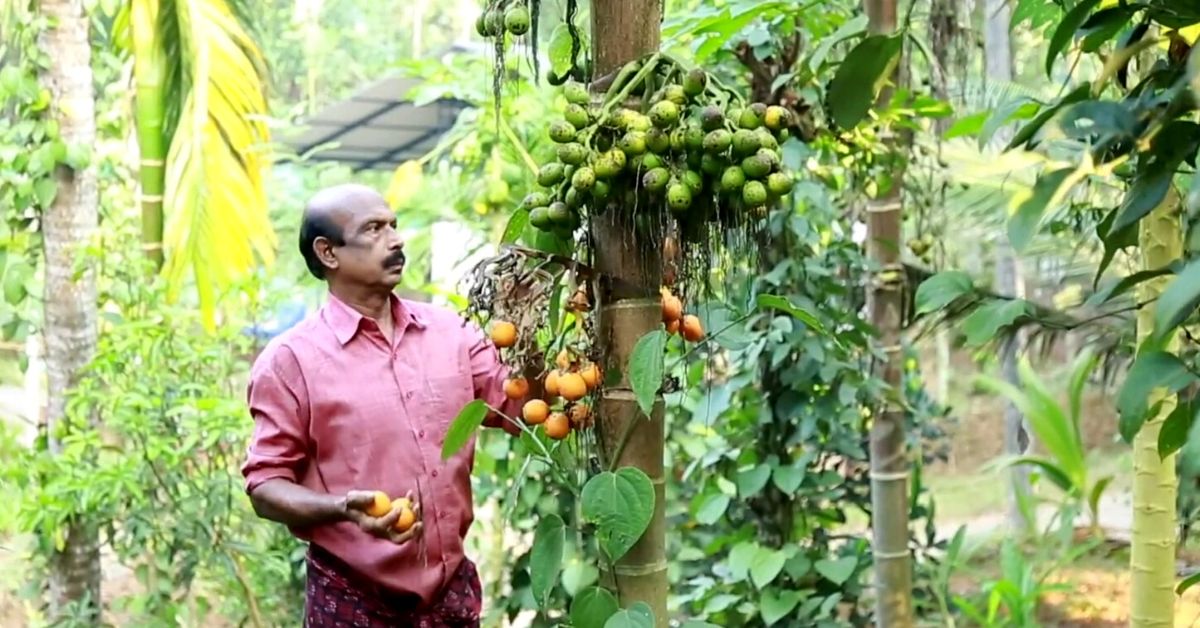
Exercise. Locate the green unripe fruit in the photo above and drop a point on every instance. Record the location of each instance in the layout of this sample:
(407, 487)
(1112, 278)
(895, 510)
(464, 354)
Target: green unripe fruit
(495, 22)
(754, 193)
(534, 200)
(572, 153)
(600, 191)
(766, 139)
(780, 183)
(712, 165)
(756, 167)
(539, 217)
(573, 198)
(664, 114)
(771, 156)
(717, 142)
(618, 158)
(748, 119)
(559, 213)
(679, 140)
(576, 93)
(676, 94)
(640, 122)
(694, 83)
(693, 180)
(711, 118)
(694, 159)
(694, 138)
(745, 143)
(623, 118)
(650, 161)
(516, 20)
(577, 115)
(481, 26)
(679, 197)
(656, 180)
(550, 174)
(605, 167)
(732, 179)
(632, 143)
(583, 179)
(657, 141)
(561, 131)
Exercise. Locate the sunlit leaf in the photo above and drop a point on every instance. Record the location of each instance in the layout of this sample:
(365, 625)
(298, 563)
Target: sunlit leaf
(860, 77)
(463, 428)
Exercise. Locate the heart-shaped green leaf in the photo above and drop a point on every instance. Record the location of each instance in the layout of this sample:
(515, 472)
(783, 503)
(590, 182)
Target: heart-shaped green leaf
(838, 571)
(621, 505)
(545, 559)
(593, 607)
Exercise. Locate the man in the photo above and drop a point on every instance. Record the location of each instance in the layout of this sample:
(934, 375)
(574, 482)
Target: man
(357, 398)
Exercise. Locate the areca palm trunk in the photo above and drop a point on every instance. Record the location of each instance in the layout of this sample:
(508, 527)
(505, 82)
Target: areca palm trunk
(70, 300)
(1152, 551)
(149, 75)
(623, 30)
(889, 462)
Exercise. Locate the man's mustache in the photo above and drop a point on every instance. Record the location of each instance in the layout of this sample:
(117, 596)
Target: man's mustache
(396, 259)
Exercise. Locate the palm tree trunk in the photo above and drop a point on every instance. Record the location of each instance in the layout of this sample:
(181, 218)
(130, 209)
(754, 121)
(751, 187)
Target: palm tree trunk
(149, 75)
(623, 30)
(1152, 555)
(889, 464)
(70, 301)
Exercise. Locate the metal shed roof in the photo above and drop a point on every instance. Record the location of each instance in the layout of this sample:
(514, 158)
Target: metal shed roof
(377, 127)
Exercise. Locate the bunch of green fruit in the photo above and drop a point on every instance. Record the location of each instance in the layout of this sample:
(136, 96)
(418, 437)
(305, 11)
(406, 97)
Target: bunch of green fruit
(504, 17)
(689, 147)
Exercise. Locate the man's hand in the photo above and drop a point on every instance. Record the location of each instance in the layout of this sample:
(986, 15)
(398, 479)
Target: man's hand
(356, 504)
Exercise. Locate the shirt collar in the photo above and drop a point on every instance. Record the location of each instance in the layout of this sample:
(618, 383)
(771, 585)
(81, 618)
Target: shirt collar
(345, 320)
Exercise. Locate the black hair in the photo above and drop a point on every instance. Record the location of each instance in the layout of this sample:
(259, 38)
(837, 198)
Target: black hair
(315, 225)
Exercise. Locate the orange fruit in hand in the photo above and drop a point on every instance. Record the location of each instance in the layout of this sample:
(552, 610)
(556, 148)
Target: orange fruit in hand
(551, 385)
(692, 330)
(672, 307)
(407, 517)
(558, 426)
(381, 506)
(572, 386)
(591, 375)
(504, 334)
(516, 388)
(535, 411)
(673, 327)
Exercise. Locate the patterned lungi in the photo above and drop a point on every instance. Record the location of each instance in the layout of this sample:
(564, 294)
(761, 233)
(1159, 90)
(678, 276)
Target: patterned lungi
(337, 597)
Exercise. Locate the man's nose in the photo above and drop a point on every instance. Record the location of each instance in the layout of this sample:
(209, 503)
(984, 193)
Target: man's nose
(396, 240)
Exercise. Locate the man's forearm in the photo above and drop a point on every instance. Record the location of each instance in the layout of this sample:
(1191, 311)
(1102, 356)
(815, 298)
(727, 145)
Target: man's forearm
(294, 505)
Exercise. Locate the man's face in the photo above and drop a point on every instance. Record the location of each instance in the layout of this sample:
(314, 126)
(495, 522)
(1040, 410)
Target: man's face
(373, 253)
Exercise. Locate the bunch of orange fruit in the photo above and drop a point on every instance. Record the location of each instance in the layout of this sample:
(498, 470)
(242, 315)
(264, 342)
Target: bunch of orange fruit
(676, 322)
(572, 379)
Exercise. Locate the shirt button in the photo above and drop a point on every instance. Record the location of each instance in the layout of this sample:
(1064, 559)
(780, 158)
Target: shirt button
(421, 433)
(408, 395)
(435, 473)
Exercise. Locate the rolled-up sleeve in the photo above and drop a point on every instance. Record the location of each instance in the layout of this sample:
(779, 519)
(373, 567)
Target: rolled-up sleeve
(488, 373)
(278, 404)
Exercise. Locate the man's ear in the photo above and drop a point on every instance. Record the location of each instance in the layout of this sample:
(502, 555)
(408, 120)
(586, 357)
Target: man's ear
(324, 250)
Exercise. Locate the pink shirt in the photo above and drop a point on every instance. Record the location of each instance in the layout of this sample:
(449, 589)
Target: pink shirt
(336, 409)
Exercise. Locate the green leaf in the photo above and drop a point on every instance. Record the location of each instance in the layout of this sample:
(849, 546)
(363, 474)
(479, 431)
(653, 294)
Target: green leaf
(788, 478)
(713, 509)
(1156, 168)
(1104, 118)
(1046, 192)
(45, 190)
(1103, 25)
(983, 324)
(546, 556)
(798, 566)
(1187, 583)
(468, 420)
(775, 607)
(1126, 283)
(77, 156)
(1178, 300)
(751, 481)
(772, 301)
(516, 226)
(1175, 429)
(766, 566)
(621, 505)
(967, 125)
(646, 366)
(1098, 492)
(1113, 241)
(1026, 133)
(1151, 370)
(1053, 472)
(637, 616)
(740, 558)
(942, 289)
(593, 607)
(577, 575)
(860, 76)
(837, 571)
(559, 49)
(1066, 30)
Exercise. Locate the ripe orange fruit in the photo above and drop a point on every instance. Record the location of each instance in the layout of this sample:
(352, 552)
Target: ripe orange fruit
(381, 506)
(572, 386)
(581, 416)
(558, 426)
(591, 375)
(672, 307)
(535, 411)
(516, 388)
(692, 330)
(407, 517)
(504, 334)
(551, 385)
(673, 327)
